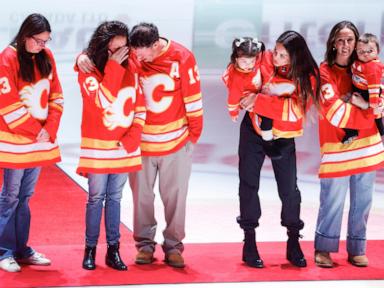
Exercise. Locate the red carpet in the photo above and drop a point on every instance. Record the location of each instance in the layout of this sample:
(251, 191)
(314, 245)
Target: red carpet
(58, 210)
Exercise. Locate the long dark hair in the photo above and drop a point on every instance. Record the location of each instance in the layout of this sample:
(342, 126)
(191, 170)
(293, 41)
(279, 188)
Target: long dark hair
(303, 66)
(246, 47)
(34, 24)
(330, 53)
(98, 45)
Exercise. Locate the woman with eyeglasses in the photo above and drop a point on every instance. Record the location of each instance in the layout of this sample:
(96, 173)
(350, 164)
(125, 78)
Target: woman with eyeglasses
(112, 121)
(345, 166)
(31, 105)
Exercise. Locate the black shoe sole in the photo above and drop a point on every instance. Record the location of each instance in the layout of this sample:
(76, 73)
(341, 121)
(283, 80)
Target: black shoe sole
(254, 264)
(300, 264)
(116, 267)
(259, 266)
(89, 268)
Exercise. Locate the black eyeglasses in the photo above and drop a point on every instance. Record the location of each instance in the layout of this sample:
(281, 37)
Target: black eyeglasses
(41, 42)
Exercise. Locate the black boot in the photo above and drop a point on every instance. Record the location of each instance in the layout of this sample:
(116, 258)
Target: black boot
(89, 258)
(113, 259)
(250, 254)
(294, 253)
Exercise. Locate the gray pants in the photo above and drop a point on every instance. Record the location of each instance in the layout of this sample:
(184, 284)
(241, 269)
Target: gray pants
(174, 171)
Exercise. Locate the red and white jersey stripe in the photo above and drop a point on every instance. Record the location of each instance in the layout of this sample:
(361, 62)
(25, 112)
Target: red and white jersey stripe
(171, 85)
(112, 121)
(26, 108)
(239, 82)
(368, 76)
(364, 154)
(277, 100)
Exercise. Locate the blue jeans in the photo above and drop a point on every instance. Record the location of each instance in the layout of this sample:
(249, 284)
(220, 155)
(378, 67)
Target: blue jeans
(15, 215)
(332, 199)
(108, 187)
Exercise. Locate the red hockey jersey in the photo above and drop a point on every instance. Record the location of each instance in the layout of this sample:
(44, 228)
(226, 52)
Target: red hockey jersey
(278, 101)
(112, 120)
(364, 154)
(171, 85)
(368, 76)
(238, 82)
(26, 108)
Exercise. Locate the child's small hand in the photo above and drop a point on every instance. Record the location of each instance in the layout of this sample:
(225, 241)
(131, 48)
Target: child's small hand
(346, 98)
(379, 110)
(248, 102)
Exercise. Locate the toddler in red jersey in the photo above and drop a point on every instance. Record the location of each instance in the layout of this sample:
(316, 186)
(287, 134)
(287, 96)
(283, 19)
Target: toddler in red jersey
(243, 76)
(367, 73)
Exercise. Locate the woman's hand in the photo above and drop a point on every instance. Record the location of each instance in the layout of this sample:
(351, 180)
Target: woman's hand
(85, 64)
(43, 136)
(120, 55)
(248, 102)
(358, 100)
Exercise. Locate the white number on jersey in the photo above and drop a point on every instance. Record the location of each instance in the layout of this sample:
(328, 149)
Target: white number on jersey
(91, 84)
(4, 85)
(194, 75)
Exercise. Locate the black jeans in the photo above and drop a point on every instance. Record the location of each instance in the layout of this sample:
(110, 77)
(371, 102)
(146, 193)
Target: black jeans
(251, 159)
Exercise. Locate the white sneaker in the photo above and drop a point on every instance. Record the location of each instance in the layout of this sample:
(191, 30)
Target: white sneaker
(10, 265)
(36, 259)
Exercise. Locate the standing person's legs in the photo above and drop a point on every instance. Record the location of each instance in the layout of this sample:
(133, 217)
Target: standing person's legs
(23, 213)
(115, 187)
(251, 159)
(15, 219)
(114, 193)
(286, 178)
(174, 173)
(97, 184)
(144, 222)
(332, 199)
(361, 190)
(9, 200)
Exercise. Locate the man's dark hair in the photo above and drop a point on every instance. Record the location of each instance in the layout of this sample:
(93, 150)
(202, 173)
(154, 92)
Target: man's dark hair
(143, 35)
